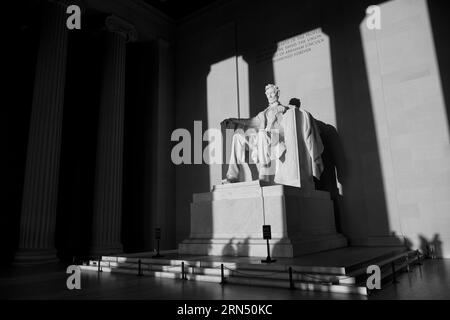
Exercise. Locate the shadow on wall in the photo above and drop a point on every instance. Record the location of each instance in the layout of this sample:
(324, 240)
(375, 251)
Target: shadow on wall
(334, 165)
(430, 248)
(440, 25)
(364, 198)
(261, 73)
(229, 250)
(236, 248)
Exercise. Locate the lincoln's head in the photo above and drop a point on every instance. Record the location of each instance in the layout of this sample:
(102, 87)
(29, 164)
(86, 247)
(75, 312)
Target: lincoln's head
(272, 93)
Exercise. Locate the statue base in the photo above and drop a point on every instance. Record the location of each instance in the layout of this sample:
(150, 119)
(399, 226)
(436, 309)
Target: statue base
(228, 221)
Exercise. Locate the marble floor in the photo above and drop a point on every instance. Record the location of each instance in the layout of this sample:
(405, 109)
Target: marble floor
(430, 281)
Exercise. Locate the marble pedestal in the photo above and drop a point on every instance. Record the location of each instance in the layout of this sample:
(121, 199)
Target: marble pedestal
(228, 221)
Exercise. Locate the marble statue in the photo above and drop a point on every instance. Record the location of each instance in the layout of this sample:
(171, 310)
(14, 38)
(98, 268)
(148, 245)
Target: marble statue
(261, 137)
(267, 136)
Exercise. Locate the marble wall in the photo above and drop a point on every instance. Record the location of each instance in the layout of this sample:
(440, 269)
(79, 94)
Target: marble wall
(411, 123)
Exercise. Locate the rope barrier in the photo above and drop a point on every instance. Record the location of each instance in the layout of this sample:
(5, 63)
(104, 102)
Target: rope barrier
(255, 275)
(266, 275)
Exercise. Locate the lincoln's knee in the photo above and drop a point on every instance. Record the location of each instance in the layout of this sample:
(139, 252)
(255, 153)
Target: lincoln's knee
(239, 137)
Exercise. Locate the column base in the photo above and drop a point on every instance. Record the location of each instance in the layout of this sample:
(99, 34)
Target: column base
(31, 257)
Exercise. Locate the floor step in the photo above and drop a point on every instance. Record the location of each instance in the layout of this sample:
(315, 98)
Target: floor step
(298, 285)
(231, 265)
(387, 271)
(228, 272)
(157, 274)
(319, 275)
(254, 278)
(385, 266)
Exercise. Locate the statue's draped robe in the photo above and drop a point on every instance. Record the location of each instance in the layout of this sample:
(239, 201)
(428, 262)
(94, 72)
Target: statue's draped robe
(313, 143)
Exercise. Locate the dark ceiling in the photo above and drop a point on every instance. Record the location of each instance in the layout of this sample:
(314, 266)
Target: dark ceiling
(178, 9)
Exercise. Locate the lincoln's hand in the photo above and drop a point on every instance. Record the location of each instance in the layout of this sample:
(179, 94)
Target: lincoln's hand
(229, 123)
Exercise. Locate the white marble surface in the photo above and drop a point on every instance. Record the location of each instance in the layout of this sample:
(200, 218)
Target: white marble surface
(229, 220)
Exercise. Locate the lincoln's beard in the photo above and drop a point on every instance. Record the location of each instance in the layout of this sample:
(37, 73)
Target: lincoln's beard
(274, 102)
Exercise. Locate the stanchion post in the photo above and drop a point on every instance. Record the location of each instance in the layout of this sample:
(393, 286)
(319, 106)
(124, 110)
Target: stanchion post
(419, 260)
(139, 267)
(267, 235)
(183, 275)
(291, 281)
(222, 275)
(394, 275)
(158, 238)
(99, 265)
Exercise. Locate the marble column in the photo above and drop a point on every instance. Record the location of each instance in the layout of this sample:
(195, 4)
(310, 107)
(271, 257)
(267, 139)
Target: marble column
(39, 202)
(106, 238)
(163, 172)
